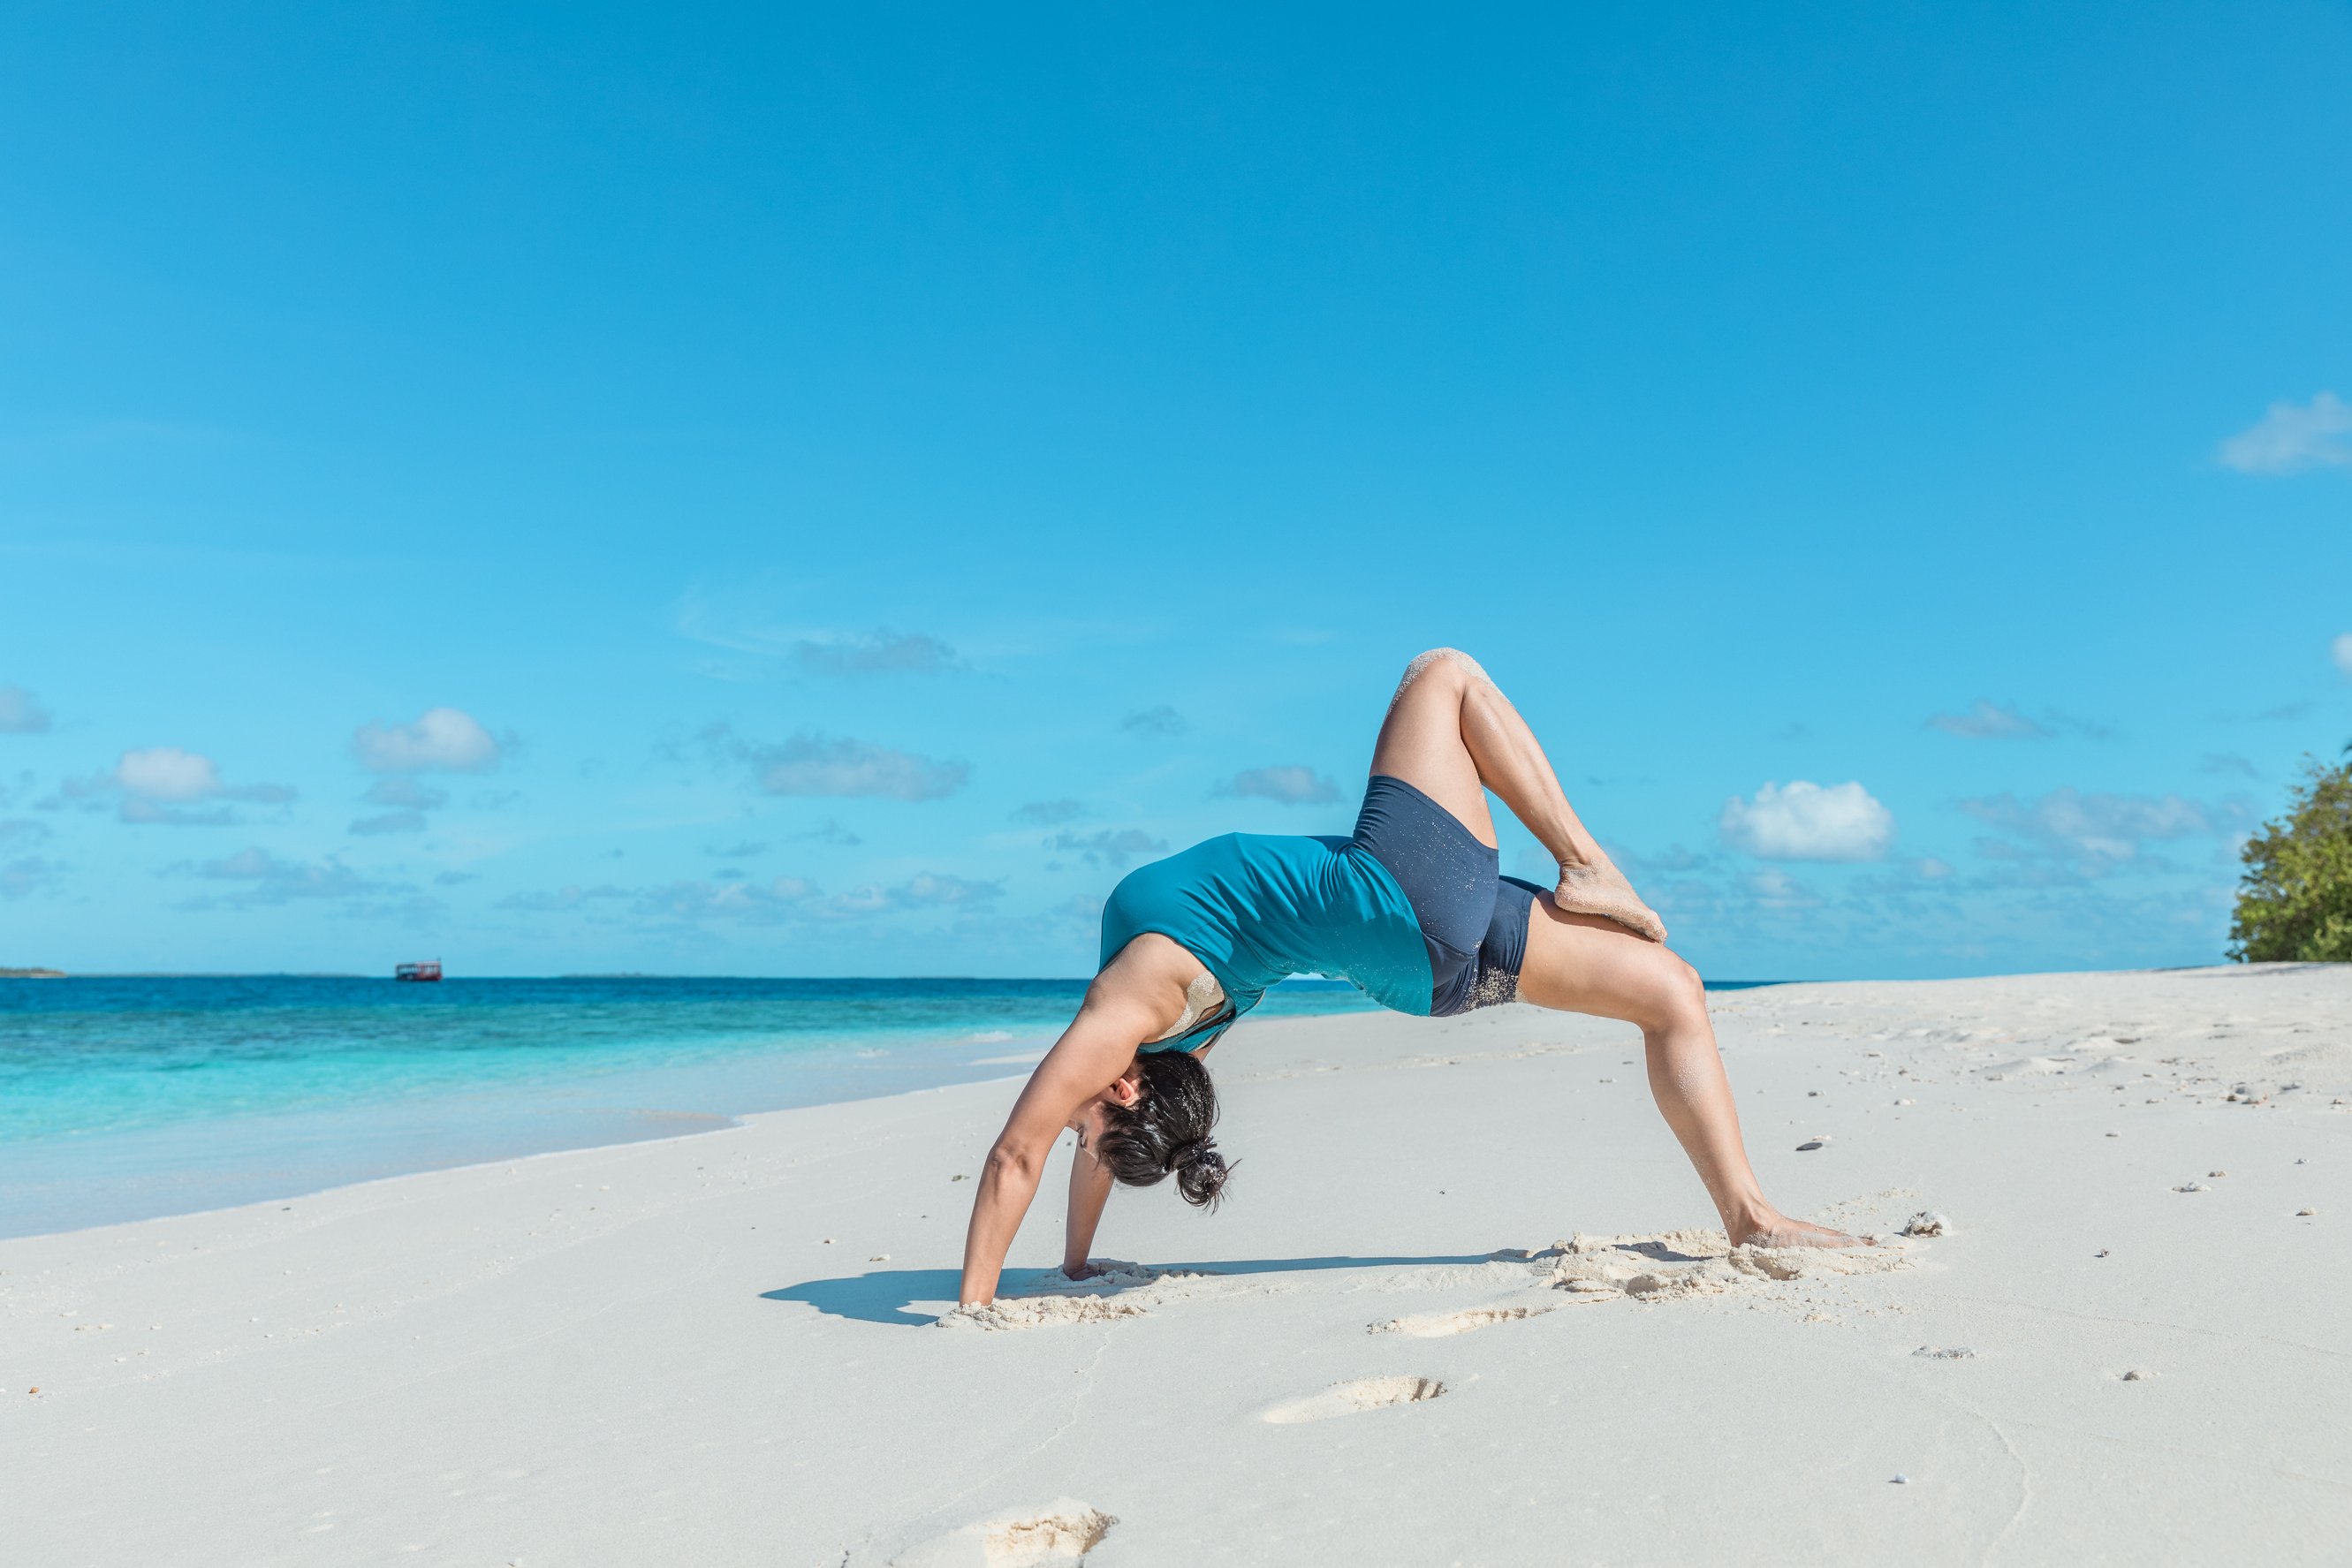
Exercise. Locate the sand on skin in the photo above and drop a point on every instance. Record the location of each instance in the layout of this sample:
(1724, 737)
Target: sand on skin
(651, 1354)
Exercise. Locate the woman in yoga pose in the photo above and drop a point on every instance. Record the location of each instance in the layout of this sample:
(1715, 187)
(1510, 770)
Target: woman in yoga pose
(1412, 910)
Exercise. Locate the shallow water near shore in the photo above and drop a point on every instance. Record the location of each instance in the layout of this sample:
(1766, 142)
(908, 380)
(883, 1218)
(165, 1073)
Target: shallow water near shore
(122, 1098)
(128, 1097)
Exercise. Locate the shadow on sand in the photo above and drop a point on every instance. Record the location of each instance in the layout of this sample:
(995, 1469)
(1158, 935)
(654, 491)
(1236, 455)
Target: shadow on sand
(888, 1295)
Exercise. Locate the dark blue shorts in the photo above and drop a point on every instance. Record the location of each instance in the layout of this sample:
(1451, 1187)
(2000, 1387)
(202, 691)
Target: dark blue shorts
(1473, 919)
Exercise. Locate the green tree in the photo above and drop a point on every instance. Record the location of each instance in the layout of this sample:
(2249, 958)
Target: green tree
(2294, 898)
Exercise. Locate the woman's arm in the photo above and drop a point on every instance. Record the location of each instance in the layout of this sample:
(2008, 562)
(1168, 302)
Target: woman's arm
(1089, 1191)
(1095, 1049)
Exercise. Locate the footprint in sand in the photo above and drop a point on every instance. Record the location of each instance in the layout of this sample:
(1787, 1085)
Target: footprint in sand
(1037, 1312)
(1436, 1325)
(1351, 1398)
(1677, 1263)
(1064, 1531)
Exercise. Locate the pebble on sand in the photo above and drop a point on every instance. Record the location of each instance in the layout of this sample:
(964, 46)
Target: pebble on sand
(1811, 1144)
(1901, 1480)
(2305, 1213)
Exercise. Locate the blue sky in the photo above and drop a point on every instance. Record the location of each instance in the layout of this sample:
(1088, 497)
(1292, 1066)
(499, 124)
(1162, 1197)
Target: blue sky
(587, 488)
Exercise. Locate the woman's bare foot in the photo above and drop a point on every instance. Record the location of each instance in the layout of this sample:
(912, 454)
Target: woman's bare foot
(1780, 1231)
(1598, 887)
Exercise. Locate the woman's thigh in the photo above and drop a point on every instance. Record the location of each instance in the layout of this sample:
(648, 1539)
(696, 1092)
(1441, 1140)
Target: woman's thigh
(1421, 741)
(1583, 964)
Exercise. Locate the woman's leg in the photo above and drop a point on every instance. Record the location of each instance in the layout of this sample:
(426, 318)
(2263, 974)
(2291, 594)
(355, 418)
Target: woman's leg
(1452, 735)
(1582, 963)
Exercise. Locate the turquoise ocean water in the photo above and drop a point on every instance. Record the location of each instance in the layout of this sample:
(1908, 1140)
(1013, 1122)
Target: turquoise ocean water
(126, 1098)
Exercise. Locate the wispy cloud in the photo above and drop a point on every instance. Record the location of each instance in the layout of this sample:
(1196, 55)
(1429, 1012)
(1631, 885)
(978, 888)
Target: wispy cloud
(790, 899)
(1988, 720)
(560, 900)
(811, 764)
(1047, 813)
(1111, 847)
(1160, 723)
(402, 793)
(741, 849)
(877, 652)
(2098, 832)
(2292, 437)
(2228, 762)
(441, 741)
(388, 823)
(27, 875)
(21, 712)
(1291, 785)
(1806, 821)
(715, 622)
(2340, 651)
(263, 878)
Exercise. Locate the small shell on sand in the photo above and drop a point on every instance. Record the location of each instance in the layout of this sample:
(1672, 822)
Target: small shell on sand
(2305, 1213)
(1927, 1222)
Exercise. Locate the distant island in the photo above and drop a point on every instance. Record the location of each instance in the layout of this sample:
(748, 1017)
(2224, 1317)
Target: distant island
(32, 974)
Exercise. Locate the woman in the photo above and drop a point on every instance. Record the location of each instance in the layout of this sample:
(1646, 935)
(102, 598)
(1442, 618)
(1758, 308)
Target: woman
(1412, 910)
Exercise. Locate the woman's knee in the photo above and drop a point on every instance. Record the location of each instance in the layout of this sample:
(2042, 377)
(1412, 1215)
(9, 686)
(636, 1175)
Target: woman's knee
(1677, 993)
(1448, 667)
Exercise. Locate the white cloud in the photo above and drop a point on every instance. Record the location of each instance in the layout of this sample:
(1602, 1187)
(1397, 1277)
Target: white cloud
(1045, 814)
(2341, 651)
(1806, 821)
(168, 773)
(165, 785)
(2292, 437)
(442, 740)
(1293, 786)
(21, 713)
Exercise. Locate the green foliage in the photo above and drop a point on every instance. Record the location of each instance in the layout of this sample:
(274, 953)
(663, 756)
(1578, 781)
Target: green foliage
(2295, 899)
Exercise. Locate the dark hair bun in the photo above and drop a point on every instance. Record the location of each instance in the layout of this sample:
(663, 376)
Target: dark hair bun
(1201, 1173)
(1166, 1132)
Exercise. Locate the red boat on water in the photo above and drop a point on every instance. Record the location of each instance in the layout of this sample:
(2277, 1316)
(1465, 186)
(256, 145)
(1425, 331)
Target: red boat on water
(430, 970)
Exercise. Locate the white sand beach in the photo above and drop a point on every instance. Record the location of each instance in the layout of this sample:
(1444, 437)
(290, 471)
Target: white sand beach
(1461, 1308)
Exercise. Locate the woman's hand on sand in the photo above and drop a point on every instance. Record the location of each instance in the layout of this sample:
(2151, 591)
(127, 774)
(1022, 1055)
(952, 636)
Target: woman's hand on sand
(1780, 1231)
(1598, 887)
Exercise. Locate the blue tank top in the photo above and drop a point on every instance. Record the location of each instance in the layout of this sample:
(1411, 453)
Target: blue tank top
(1257, 908)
